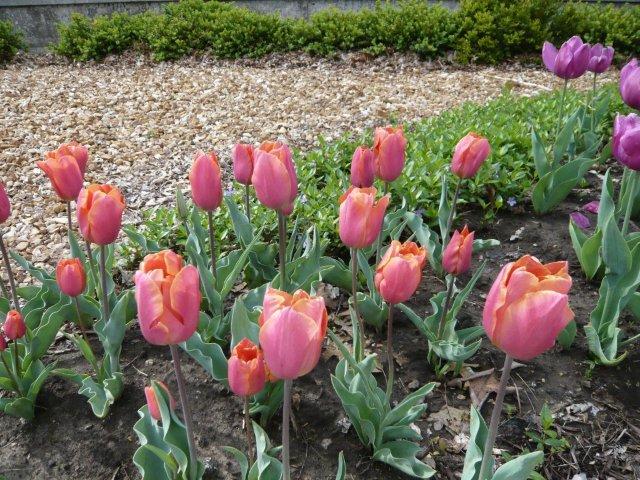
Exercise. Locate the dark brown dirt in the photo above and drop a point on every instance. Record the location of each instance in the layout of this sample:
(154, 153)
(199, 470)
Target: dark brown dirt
(66, 441)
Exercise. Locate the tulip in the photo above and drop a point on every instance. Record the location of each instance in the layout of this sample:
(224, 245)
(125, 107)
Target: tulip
(77, 151)
(5, 205)
(206, 183)
(580, 220)
(100, 210)
(64, 173)
(592, 207)
(70, 276)
(599, 58)
(399, 272)
(363, 167)
(571, 61)
(3, 345)
(152, 401)
(274, 177)
(527, 307)
(626, 140)
(469, 155)
(243, 163)
(361, 216)
(246, 371)
(389, 145)
(630, 84)
(168, 298)
(14, 326)
(456, 258)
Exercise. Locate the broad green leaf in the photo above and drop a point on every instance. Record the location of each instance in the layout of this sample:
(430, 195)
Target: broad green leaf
(241, 325)
(209, 355)
(401, 454)
(520, 468)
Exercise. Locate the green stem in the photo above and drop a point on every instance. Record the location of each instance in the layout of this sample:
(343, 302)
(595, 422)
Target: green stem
(390, 375)
(69, 221)
(103, 283)
(247, 202)
(81, 322)
(495, 419)
(12, 282)
(447, 303)
(282, 234)
(247, 429)
(92, 268)
(593, 102)
(630, 340)
(16, 359)
(452, 214)
(286, 413)
(379, 245)
(561, 111)
(12, 374)
(633, 187)
(354, 292)
(212, 246)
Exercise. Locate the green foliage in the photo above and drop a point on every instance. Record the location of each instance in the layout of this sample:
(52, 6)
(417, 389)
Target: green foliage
(11, 40)
(548, 437)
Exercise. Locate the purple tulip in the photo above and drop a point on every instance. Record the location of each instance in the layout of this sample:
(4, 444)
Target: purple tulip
(626, 140)
(630, 84)
(570, 61)
(591, 207)
(580, 220)
(601, 58)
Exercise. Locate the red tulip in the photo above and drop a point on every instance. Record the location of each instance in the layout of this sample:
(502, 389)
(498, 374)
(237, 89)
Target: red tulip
(469, 155)
(399, 272)
(152, 401)
(246, 372)
(5, 204)
(456, 258)
(100, 210)
(274, 177)
(14, 326)
(243, 163)
(168, 298)
(389, 145)
(206, 181)
(71, 277)
(361, 216)
(363, 167)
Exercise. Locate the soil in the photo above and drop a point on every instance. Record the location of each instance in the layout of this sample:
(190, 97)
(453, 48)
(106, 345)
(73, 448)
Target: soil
(597, 408)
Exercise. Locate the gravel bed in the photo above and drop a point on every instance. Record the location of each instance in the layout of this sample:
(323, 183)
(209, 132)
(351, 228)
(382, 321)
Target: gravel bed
(143, 121)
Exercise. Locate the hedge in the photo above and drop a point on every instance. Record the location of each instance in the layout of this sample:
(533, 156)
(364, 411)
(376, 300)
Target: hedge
(11, 41)
(485, 31)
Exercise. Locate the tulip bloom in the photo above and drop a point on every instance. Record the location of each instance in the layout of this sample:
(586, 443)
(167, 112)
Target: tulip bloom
(274, 177)
(571, 61)
(64, 173)
(206, 181)
(630, 84)
(527, 307)
(14, 326)
(292, 330)
(361, 216)
(243, 163)
(456, 258)
(399, 272)
(363, 167)
(246, 372)
(168, 298)
(70, 276)
(389, 145)
(152, 401)
(77, 151)
(100, 210)
(600, 58)
(626, 140)
(5, 204)
(469, 155)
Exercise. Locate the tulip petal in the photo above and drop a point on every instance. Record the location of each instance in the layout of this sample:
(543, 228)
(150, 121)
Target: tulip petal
(549, 54)
(185, 300)
(150, 308)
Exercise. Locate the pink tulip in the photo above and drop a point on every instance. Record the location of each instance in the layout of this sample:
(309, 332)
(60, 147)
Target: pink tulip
(152, 401)
(274, 177)
(14, 326)
(168, 298)
(389, 145)
(100, 210)
(77, 151)
(469, 155)
(292, 330)
(456, 258)
(363, 167)
(246, 371)
(399, 272)
(5, 204)
(64, 173)
(361, 216)
(527, 307)
(70, 276)
(206, 181)
(243, 163)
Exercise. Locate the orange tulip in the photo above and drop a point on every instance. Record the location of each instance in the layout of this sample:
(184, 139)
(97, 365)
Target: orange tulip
(361, 216)
(100, 210)
(206, 181)
(246, 372)
(389, 145)
(243, 163)
(71, 277)
(64, 172)
(456, 258)
(152, 401)
(469, 155)
(399, 272)
(274, 177)
(14, 326)
(77, 151)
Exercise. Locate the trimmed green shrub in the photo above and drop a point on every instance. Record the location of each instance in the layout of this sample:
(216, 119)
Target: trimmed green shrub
(11, 40)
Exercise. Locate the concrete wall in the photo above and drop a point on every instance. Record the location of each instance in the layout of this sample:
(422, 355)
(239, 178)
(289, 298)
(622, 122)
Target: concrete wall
(38, 18)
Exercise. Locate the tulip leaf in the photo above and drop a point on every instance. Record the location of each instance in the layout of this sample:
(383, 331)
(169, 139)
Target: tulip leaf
(147, 246)
(209, 355)
(540, 159)
(335, 272)
(268, 401)
(565, 137)
(401, 454)
(554, 186)
(519, 468)
(341, 474)
(428, 239)
(444, 210)
(478, 433)
(241, 325)
(568, 335)
(239, 221)
(371, 312)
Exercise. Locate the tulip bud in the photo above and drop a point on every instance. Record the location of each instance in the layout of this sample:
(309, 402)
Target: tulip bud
(399, 272)
(100, 210)
(5, 204)
(363, 167)
(361, 217)
(3, 343)
(469, 155)
(571, 61)
(71, 277)
(246, 372)
(64, 173)
(14, 326)
(389, 145)
(77, 151)
(456, 258)
(630, 84)
(242, 163)
(527, 307)
(600, 58)
(274, 177)
(152, 401)
(292, 331)
(168, 298)
(626, 140)
(206, 181)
